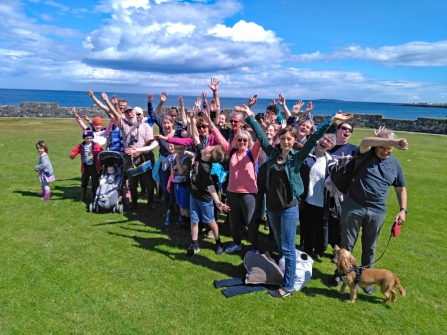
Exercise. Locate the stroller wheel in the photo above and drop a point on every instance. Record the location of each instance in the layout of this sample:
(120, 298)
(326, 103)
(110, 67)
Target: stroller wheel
(90, 208)
(97, 208)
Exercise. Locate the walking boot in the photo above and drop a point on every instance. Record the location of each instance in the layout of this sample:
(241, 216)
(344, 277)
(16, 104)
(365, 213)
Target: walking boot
(168, 217)
(41, 192)
(47, 195)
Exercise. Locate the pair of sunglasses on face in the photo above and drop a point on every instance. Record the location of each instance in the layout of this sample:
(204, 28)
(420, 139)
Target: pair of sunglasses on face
(346, 128)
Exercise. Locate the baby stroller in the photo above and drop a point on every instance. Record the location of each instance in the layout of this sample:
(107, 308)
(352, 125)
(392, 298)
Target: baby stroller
(110, 190)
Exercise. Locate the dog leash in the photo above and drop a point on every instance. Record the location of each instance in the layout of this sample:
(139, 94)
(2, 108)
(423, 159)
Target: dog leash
(395, 231)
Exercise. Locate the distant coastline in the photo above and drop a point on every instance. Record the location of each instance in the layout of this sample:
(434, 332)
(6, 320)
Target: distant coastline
(424, 104)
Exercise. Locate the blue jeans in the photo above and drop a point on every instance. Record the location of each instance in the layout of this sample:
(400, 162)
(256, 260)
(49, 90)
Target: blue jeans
(283, 224)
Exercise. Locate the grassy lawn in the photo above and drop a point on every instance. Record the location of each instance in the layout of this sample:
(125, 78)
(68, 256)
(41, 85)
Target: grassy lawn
(65, 270)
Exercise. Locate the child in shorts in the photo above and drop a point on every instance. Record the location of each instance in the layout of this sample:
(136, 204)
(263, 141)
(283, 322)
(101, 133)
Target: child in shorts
(203, 191)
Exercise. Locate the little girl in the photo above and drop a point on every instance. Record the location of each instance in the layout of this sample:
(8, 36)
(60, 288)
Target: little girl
(45, 170)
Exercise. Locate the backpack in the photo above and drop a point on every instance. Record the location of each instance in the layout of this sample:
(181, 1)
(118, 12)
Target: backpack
(344, 171)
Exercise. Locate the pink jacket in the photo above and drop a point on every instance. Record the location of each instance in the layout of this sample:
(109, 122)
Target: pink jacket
(242, 176)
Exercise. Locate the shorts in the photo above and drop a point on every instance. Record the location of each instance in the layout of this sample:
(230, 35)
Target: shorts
(201, 211)
(181, 196)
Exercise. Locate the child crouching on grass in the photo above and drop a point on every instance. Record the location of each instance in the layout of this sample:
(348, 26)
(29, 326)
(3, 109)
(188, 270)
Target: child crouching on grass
(203, 192)
(45, 170)
(90, 166)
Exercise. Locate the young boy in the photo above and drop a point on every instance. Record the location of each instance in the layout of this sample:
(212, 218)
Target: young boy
(90, 166)
(203, 192)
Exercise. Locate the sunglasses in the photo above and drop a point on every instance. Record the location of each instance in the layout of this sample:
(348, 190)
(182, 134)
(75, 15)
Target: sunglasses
(234, 121)
(202, 126)
(346, 128)
(242, 140)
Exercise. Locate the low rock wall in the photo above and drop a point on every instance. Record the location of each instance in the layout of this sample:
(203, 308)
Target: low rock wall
(53, 110)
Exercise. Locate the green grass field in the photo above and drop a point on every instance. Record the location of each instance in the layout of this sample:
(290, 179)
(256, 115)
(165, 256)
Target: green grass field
(65, 270)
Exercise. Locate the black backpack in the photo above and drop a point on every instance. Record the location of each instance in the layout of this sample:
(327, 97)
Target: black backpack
(345, 170)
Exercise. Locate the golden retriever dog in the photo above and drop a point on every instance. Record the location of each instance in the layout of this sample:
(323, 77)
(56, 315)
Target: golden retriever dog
(384, 278)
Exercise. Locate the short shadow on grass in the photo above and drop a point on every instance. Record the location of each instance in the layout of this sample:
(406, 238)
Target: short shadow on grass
(151, 243)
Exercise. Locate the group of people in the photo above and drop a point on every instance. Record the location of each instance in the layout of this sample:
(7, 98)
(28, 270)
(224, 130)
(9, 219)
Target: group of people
(274, 161)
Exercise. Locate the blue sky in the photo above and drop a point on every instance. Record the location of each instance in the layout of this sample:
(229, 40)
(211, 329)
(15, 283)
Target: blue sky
(384, 51)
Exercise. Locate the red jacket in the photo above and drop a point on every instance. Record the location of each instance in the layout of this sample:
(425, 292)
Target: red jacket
(80, 150)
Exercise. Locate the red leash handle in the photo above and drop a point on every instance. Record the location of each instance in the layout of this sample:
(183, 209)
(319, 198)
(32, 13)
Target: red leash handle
(395, 229)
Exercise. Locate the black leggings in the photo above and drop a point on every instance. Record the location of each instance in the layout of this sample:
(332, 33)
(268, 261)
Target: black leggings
(90, 172)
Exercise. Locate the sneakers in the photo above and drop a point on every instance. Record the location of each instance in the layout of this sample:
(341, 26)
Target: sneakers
(334, 280)
(368, 289)
(193, 249)
(219, 249)
(278, 294)
(210, 234)
(232, 248)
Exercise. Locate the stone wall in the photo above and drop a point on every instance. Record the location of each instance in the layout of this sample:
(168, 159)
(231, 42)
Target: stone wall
(53, 110)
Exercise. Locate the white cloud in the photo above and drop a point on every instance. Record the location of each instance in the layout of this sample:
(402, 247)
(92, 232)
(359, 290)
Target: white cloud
(177, 37)
(409, 54)
(244, 32)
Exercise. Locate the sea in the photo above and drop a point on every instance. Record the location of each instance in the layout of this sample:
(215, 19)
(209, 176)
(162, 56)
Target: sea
(15, 97)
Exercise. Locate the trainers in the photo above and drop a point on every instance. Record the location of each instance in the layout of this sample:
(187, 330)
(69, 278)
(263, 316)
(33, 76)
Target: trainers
(278, 294)
(254, 251)
(334, 280)
(210, 234)
(219, 249)
(368, 289)
(232, 248)
(193, 249)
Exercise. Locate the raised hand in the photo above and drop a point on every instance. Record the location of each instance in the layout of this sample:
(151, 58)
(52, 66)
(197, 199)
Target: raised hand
(273, 102)
(180, 101)
(281, 100)
(104, 96)
(163, 96)
(379, 130)
(86, 118)
(203, 95)
(73, 110)
(401, 144)
(309, 108)
(244, 110)
(114, 99)
(150, 97)
(214, 86)
(252, 101)
(296, 109)
(198, 102)
(340, 117)
(90, 93)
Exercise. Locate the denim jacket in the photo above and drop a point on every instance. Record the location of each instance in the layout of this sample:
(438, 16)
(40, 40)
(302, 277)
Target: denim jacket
(294, 158)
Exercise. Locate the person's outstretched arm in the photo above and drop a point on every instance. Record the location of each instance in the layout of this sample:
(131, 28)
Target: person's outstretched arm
(112, 109)
(163, 97)
(97, 101)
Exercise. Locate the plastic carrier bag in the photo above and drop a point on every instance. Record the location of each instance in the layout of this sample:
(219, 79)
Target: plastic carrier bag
(303, 269)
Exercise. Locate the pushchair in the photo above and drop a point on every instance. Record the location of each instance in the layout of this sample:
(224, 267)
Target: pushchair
(109, 193)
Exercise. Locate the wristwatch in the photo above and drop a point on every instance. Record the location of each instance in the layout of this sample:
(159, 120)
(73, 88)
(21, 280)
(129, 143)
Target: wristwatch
(404, 209)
